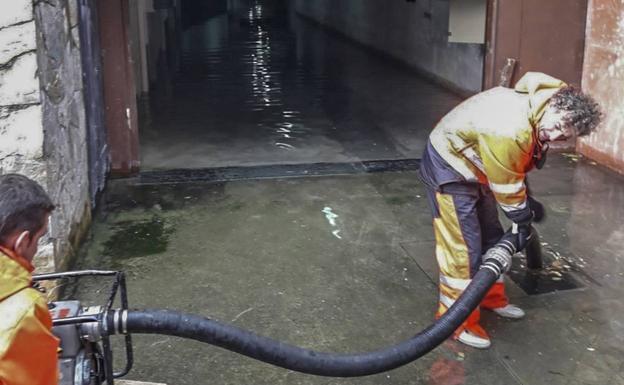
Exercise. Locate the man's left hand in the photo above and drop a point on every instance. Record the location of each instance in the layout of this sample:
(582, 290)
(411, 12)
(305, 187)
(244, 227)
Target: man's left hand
(523, 233)
(539, 212)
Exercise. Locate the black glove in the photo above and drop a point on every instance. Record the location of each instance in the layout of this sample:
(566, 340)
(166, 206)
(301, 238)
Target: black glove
(517, 237)
(509, 241)
(539, 212)
(523, 233)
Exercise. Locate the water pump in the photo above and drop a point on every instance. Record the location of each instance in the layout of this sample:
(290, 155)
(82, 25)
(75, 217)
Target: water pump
(86, 356)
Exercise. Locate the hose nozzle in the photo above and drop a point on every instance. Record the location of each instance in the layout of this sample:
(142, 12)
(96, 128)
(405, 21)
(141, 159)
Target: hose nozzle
(498, 258)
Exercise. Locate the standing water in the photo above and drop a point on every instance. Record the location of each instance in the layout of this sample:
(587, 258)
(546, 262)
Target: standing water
(258, 86)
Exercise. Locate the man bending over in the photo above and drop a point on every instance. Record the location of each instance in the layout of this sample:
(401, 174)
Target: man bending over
(477, 158)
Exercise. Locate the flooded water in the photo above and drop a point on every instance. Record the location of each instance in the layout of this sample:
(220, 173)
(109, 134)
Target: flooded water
(260, 86)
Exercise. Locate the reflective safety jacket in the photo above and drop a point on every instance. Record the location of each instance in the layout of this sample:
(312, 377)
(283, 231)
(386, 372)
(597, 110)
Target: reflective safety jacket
(28, 349)
(490, 139)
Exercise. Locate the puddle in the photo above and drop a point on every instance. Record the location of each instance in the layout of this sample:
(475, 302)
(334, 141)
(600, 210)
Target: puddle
(399, 200)
(133, 239)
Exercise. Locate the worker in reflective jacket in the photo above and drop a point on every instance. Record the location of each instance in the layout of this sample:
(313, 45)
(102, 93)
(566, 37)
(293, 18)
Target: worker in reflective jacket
(477, 158)
(28, 349)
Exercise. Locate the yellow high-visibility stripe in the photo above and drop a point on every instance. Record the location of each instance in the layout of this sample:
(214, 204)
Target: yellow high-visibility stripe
(450, 292)
(451, 249)
(513, 207)
(507, 188)
(454, 283)
(446, 301)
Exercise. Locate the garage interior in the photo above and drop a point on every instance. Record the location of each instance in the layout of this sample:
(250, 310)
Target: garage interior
(254, 83)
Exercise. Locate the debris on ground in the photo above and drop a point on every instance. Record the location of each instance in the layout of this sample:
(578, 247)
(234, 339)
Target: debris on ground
(571, 156)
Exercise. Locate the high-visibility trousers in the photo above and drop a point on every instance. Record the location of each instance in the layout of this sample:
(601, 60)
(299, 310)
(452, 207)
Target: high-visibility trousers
(466, 225)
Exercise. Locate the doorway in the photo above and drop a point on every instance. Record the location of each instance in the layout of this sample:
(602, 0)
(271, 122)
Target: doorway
(543, 36)
(258, 85)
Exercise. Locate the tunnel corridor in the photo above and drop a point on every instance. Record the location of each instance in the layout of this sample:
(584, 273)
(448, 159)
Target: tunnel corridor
(259, 85)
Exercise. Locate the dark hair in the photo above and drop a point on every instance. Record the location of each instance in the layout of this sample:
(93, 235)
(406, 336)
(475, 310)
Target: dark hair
(583, 112)
(23, 205)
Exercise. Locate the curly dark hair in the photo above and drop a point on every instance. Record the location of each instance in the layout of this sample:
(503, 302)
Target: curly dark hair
(583, 113)
(24, 205)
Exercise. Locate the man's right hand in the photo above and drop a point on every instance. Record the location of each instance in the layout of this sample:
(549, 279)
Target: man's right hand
(518, 236)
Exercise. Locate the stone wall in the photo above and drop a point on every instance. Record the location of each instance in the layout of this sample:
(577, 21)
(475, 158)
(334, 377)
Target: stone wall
(64, 122)
(42, 122)
(21, 130)
(414, 32)
(603, 77)
(21, 136)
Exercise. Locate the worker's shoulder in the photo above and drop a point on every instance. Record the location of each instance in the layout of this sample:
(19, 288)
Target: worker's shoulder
(499, 94)
(496, 107)
(27, 302)
(496, 99)
(24, 314)
(30, 294)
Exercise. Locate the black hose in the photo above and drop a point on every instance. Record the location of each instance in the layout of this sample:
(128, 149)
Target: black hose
(533, 251)
(303, 360)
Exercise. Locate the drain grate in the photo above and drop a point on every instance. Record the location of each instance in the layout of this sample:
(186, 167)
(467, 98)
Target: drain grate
(543, 281)
(224, 174)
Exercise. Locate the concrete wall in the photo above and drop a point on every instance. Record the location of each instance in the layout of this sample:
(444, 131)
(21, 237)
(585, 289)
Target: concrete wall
(140, 12)
(154, 48)
(148, 39)
(42, 123)
(603, 77)
(413, 32)
(138, 44)
(196, 12)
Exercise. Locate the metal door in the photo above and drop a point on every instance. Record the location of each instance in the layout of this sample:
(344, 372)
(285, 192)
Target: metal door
(94, 100)
(545, 36)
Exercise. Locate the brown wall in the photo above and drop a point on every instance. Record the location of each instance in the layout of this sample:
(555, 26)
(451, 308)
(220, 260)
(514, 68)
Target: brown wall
(544, 36)
(119, 87)
(603, 77)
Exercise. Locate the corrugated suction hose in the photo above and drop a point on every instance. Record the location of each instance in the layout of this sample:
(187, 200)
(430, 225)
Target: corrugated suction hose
(496, 261)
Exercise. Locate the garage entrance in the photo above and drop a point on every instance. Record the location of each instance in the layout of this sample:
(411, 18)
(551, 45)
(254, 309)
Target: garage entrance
(256, 84)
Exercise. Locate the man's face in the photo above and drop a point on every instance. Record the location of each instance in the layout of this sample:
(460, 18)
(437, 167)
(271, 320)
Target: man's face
(27, 248)
(552, 126)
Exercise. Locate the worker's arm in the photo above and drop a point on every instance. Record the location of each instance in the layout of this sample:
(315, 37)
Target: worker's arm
(29, 351)
(505, 163)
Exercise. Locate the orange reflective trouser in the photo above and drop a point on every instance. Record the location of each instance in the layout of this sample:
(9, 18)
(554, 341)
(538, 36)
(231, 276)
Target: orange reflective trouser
(465, 222)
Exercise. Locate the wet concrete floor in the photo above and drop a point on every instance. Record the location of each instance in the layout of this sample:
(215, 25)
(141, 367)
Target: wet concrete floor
(345, 264)
(254, 90)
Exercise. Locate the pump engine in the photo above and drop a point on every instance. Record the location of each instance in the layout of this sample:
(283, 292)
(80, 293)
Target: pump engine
(86, 355)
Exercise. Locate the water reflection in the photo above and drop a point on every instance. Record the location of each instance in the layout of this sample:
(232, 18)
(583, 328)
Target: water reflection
(267, 88)
(260, 86)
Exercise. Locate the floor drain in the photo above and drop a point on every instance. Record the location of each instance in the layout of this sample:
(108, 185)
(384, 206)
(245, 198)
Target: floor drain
(539, 282)
(224, 174)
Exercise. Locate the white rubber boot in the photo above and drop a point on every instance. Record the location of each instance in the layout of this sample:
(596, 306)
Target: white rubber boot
(473, 340)
(509, 311)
